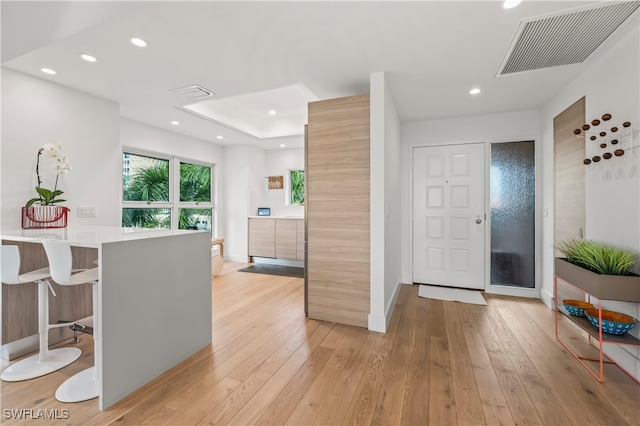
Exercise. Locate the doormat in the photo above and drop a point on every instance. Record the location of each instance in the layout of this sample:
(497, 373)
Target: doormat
(451, 294)
(265, 268)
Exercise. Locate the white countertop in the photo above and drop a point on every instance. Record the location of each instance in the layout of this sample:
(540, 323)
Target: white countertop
(88, 236)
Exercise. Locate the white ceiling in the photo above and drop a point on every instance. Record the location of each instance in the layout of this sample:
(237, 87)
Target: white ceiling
(433, 53)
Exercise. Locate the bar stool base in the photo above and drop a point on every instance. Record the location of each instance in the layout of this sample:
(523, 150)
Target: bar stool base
(81, 387)
(32, 367)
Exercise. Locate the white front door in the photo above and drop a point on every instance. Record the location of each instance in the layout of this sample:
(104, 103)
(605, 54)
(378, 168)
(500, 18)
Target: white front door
(448, 215)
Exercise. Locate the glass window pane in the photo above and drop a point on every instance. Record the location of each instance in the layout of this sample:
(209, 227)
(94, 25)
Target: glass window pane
(195, 183)
(195, 219)
(297, 186)
(144, 178)
(146, 218)
(513, 214)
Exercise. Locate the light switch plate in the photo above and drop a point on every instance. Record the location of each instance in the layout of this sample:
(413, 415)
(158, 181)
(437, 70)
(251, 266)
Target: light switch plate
(87, 211)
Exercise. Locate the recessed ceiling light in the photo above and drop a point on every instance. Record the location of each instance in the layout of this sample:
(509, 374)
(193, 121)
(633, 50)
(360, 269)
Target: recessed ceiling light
(282, 145)
(474, 91)
(219, 137)
(88, 58)
(48, 71)
(175, 123)
(272, 112)
(139, 42)
(509, 4)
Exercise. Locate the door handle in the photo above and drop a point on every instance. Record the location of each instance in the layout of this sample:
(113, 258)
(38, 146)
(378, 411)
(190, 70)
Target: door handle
(478, 220)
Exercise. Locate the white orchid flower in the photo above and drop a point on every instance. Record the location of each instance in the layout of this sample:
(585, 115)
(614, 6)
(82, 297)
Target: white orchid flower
(61, 166)
(53, 150)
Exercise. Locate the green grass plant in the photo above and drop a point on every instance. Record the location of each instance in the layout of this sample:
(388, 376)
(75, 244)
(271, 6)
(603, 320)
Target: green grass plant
(598, 257)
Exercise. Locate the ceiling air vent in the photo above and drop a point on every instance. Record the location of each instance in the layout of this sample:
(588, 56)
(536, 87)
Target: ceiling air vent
(564, 38)
(192, 93)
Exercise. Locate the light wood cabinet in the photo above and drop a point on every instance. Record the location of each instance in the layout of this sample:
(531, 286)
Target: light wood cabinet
(262, 237)
(286, 239)
(337, 210)
(276, 238)
(300, 239)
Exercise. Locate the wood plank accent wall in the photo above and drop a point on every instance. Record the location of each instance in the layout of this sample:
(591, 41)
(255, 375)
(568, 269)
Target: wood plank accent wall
(20, 301)
(337, 215)
(569, 152)
(569, 172)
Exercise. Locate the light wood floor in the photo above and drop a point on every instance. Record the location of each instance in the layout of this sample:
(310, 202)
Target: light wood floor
(441, 363)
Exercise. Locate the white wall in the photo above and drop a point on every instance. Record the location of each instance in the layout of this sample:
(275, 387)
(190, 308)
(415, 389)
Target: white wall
(257, 163)
(244, 177)
(503, 127)
(236, 184)
(279, 163)
(384, 204)
(36, 112)
(612, 198)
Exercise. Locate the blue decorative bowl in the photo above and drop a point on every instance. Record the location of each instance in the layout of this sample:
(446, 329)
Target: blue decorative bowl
(577, 307)
(612, 322)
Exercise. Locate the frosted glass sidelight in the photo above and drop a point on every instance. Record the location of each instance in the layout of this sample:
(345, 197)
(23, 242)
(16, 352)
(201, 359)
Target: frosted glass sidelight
(512, 191)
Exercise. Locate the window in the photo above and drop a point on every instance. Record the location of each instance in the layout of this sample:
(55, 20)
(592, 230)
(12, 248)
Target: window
(166, 193)
(195, 210)
(513, 196)
(296, 178)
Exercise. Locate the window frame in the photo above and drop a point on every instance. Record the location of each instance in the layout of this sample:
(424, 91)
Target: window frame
(174, 204)
(289, 192)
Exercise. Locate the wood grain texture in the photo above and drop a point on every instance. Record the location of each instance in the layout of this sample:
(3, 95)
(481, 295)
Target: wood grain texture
(569, 172)
(337, 210)
(299, 239)
(262, 237)
(439, 363)
(286, 239)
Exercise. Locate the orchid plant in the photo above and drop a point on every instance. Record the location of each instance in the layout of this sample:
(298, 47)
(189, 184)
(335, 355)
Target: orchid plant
(47, 197)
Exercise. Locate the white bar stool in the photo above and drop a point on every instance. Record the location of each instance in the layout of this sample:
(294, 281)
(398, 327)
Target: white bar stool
(85, 384)
(45, 361)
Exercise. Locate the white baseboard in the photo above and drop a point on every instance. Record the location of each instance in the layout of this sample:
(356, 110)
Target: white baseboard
(380, 323)
(284, 262)
(547, 299)
(16, 349)
(237, 259)
(377, 323)
(626, 357)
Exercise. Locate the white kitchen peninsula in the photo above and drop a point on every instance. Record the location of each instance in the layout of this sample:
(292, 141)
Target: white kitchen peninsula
(154, 307)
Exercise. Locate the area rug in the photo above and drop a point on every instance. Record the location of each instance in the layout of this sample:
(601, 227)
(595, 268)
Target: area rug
(265, 268)
(452, 294)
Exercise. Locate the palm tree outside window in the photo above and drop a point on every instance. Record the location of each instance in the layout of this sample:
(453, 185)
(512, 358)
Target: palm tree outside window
(166, 192)
(297, 187)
